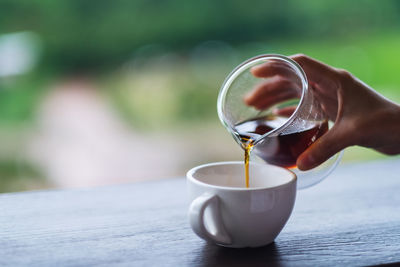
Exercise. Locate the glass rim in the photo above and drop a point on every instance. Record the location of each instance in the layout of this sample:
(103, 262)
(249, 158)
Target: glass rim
(244, 66)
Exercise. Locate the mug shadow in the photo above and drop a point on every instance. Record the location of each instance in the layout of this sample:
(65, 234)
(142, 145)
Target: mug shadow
(213, 255)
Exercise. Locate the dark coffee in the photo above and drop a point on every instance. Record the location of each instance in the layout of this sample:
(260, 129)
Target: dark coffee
(284, 149)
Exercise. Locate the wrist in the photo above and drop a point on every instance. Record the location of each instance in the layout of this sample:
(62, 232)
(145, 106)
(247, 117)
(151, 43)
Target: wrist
(391, 130)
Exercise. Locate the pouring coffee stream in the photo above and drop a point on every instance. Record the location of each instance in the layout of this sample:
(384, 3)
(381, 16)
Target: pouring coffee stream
(247, 150)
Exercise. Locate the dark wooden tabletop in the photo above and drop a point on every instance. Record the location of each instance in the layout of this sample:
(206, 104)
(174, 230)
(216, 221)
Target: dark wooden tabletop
(350, 219)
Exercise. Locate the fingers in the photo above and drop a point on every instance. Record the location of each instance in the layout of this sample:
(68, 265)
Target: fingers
(317, 72)
(285, 112)
(273, 68)
(325, 147)
(271, 92)
(323, 78)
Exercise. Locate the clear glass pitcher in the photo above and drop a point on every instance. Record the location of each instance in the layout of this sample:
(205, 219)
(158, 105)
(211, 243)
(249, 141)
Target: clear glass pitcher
(266, 103)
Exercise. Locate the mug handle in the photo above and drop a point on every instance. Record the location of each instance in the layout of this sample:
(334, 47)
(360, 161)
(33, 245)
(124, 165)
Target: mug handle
(196, 217)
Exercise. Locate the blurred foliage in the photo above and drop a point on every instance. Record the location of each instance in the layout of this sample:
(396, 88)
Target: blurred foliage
(170, 92)
(163, 48)
(19, 97)
(19, 175)
(162, 62)
(89, 35)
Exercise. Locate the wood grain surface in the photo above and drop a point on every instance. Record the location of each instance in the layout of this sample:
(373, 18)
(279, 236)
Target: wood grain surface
(350, 219)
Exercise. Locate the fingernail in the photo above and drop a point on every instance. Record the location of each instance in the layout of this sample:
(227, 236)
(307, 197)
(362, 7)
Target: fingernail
(254, 69)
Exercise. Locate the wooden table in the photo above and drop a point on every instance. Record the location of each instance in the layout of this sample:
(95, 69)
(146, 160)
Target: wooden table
(350, 219)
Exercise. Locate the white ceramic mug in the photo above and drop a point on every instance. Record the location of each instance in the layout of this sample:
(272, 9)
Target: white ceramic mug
(225, 212)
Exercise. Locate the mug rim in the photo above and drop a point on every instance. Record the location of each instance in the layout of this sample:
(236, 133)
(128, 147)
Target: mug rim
(190, 177)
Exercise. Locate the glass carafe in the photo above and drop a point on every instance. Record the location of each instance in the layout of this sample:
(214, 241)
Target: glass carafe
(266, 103)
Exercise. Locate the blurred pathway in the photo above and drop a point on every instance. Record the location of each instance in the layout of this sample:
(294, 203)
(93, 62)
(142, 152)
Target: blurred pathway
(80, 140)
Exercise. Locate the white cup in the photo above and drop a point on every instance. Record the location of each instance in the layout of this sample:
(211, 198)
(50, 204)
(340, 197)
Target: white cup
(222, 210)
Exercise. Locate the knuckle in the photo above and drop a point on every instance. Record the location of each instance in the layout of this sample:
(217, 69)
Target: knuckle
(300, 58)
(343, 78)
(300, 55)
(344, 74)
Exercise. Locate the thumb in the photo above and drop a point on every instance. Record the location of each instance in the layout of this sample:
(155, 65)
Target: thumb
(322, 149)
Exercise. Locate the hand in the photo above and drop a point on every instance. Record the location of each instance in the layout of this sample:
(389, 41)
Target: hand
(362, 116)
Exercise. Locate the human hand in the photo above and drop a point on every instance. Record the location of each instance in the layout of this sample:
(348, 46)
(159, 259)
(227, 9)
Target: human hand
(361, 115)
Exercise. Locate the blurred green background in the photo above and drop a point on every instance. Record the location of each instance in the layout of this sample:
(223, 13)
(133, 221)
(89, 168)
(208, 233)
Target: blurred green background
(101, 92)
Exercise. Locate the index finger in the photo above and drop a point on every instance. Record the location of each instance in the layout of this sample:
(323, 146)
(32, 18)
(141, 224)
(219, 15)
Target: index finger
(316, 71)
(274, 68)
